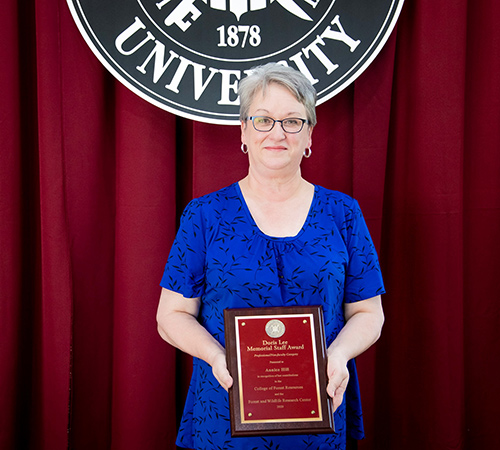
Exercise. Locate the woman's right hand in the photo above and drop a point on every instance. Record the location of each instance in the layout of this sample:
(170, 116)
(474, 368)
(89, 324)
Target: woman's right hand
(178, 325)
(219, 369)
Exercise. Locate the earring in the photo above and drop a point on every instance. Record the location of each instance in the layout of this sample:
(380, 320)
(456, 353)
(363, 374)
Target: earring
(307, 152)
(244, 148)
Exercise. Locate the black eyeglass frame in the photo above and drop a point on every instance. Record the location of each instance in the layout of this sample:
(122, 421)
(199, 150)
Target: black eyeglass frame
(304, 121)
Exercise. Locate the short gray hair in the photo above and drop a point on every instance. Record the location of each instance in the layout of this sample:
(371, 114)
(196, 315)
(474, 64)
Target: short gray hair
(293, 80)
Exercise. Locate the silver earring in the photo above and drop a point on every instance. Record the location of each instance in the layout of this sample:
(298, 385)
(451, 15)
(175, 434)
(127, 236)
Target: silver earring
(244, 148)
(307, 152)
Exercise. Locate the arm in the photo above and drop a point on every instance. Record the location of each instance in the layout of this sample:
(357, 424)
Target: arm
(364, 320)
(177, 324)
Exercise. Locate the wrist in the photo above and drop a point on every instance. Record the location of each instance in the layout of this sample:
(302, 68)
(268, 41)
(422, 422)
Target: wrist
(336, 353)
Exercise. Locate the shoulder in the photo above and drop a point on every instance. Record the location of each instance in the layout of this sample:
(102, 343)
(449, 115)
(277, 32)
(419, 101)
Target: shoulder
(211, 200)
(340, 208)
(211, 206)
(336, 201)
(226, 194)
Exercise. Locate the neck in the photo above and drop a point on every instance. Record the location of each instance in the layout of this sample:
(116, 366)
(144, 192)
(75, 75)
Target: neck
(277, 188)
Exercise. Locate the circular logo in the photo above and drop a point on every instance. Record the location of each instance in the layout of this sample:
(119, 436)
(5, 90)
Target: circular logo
(275, 328)
(187, 56)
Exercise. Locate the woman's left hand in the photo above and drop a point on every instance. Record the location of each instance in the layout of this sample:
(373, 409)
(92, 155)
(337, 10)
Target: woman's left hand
(364, 320)
(338, 377)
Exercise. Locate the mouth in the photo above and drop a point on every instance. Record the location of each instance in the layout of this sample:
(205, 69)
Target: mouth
(277, 148)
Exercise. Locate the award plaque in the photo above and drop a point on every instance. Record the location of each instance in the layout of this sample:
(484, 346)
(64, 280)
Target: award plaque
(277, 358)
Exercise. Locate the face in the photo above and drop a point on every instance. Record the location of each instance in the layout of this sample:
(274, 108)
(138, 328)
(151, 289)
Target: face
(276, 149)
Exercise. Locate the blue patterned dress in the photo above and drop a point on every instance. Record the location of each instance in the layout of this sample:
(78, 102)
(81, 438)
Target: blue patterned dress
(221, 256)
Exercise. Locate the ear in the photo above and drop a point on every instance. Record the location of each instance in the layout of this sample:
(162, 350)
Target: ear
(243, 126)
(310, 136)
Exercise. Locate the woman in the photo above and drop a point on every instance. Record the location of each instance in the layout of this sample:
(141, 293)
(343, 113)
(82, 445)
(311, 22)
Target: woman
(272, 239)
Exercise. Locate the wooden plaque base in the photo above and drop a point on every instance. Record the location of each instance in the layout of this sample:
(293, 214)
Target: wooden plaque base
(277, 358)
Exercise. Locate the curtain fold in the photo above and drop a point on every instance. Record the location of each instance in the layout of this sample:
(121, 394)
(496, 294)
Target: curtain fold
(422, 385)
(92, 183)
(12, 223)
(481, 224)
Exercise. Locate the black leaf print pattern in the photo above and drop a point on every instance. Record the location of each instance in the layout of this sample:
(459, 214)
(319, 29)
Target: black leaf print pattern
(221, 256)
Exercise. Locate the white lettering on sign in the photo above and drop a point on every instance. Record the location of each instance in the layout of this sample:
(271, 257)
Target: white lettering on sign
(183, 10)
(188, 56)
(227, 79)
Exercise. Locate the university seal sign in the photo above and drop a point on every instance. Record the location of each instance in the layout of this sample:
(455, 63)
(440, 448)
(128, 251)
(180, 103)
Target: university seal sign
(187, 56)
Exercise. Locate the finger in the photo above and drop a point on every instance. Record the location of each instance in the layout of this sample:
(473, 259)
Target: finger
(338, 397)
(336, 389)
(334, 383)
(223, 377)
(227, 381)
(330, 389)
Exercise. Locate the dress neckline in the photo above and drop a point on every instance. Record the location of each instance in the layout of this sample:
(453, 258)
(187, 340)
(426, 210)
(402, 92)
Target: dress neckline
(276, 238)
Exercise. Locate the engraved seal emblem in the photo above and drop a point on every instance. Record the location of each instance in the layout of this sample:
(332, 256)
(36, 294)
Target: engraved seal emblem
(187, 56)
(275, 328)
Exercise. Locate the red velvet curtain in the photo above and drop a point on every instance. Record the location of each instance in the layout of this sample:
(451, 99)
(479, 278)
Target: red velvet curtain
(92, 182)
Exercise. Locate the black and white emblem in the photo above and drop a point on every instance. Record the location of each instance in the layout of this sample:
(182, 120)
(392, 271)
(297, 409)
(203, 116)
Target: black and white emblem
(187, 56)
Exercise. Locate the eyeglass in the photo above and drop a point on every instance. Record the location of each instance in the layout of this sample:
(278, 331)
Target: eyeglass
(289, 125)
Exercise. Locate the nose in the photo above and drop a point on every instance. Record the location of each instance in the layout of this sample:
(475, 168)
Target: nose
(278, 130)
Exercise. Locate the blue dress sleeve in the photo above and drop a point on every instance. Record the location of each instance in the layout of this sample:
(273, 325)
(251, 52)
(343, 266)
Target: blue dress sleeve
(363, 277)
(185, 268)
